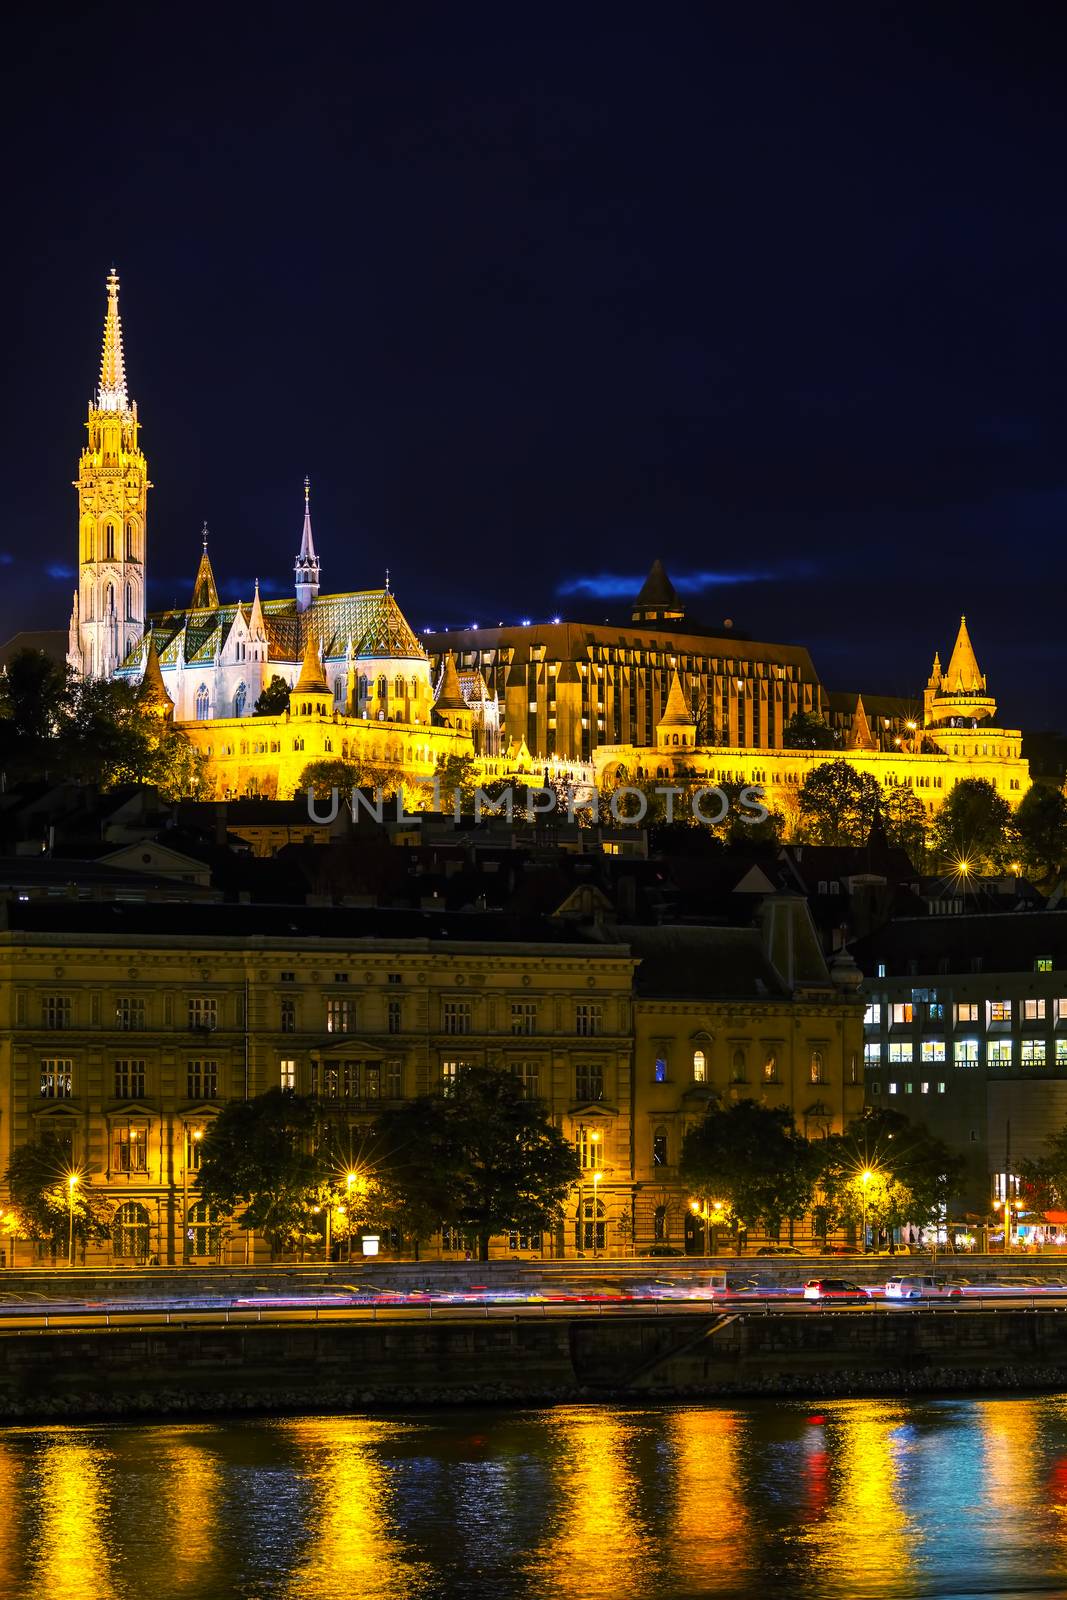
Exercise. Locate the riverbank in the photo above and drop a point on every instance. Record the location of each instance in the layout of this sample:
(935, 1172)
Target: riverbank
(296, 1367)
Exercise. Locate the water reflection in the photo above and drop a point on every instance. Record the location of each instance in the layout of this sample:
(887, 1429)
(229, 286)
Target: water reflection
(866, 1499)
(68, 1490)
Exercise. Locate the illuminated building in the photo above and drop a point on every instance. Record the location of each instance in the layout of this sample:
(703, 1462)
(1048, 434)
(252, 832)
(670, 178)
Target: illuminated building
(125, 1028)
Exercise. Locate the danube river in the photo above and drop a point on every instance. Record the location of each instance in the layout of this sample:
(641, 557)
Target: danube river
(951, 1497)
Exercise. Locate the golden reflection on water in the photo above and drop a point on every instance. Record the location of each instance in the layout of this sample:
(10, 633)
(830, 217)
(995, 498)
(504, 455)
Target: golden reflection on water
(713, 1517)
(190, 1509)
(10, 1540)
(865, 1541)
(1008, 1431)
(596, 1543)
(353, 1548)
(68, 1559)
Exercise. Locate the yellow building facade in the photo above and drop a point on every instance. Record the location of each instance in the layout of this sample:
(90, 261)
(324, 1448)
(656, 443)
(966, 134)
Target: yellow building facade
(123, 1040)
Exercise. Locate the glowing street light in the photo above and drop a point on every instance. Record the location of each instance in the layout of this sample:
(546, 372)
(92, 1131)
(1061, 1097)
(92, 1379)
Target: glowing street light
(72, 1184)
(865, 1177)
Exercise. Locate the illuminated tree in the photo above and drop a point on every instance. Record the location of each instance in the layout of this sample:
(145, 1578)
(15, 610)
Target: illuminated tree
(837, 804)
(260, 1164)
(274, 700)
(804, 731)
(974, 827)
(752, 1159)
(1041, 831)
(42, 1196)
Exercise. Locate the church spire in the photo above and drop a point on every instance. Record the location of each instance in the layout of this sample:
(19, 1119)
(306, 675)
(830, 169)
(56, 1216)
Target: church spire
(112, 394)
(205, 594)
(306, 568)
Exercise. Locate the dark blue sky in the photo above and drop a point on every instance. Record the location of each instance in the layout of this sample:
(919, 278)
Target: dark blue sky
(534, 294)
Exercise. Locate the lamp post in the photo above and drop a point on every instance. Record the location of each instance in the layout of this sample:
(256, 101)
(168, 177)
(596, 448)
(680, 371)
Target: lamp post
(596, 1179)
(865, 1177)
(350, 1183)
(594, 1167)
(192, 1139)
(72, 1184)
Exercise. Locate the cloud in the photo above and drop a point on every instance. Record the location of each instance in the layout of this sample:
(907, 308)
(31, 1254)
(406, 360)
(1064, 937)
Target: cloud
(6, 558)
(57, 570)
(616, 586)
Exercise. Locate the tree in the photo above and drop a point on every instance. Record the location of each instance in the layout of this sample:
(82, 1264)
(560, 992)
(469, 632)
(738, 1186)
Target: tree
(752, 1159)
(324, 776)
(260, 1164)
(38, 1182)
(837, 804)
(974, 826)
(1041, 831)
(457, 775)
(274, 699)
(804, 731)
(482, 1157)
(911, 1174)
(1044, 1179)
(905, 822)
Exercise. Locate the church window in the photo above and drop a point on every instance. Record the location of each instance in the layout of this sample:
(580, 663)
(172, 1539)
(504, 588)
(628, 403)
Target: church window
(109, 541)
(109, 600)
(383, 688)
(239, 700)
(203, 703)
(338, 688)
(298, 744)
(129, 541)
(364, 684)
(129, 602)
(399, 689)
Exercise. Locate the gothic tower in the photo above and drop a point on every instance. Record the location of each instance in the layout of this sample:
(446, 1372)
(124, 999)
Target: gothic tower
(109, 605)
(306, 568)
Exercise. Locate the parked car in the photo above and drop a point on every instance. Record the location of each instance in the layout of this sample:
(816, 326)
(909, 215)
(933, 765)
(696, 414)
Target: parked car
(839, 1250)
(778, 1250)
(834, 1289)
(664, 1250)
(921, 1288)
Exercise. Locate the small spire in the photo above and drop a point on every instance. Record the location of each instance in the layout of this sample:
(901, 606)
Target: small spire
(387, 580)
(449, 696)
(203, 536)
(205, 594)
(112, 394)
(306, 568)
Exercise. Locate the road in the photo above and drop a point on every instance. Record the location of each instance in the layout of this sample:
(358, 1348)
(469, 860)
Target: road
(676, 1299)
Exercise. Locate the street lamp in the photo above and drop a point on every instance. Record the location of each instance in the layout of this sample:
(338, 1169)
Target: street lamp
(351, 1179)
(72, 1184)
(865, 1177)
(192, 1139)
(596, 1179)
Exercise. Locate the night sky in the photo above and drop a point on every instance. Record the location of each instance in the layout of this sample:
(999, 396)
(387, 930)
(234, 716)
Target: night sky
(534, 294)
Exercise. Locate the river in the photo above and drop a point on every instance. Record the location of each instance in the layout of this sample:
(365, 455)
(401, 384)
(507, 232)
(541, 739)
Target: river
(954, 1497)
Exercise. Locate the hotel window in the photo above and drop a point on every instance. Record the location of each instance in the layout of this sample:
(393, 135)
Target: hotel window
(393, 1016)
(933, 1050)
(659, 1148)
(338, 1016)
(202, 1080)
(909, 1087)
(816, 1067)
(770, 1066)
(129, 1080)
(935, 1011)
(204, 1012)
(588, 1020)
(1032, 1052)
(56, 1079)
(942, 1086)
(967, 1011)
(873, 1014)
(924, 1087)
(659, 1070)
(590, 1143)
(1033, 1011)
(881, 969)
(589, 1081)
(524, 1016)
(902, 1011)
(999, 1011)
(700, 1066)
(900, 1051)
(287, 1019)
(129, 1150)
(372, 1080)
(892, 1087)
(287, 1074)
(56, 1011)
(998, 1053)
(527, 1075)
(1043, 964)
(457, 1016)
(965, 1052)
(872, 1053)
(129, 1014)
(1061, 1052)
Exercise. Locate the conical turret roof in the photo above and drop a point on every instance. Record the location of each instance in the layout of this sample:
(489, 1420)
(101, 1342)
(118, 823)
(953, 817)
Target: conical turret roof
(152, 691)
(312, 679)
(449, 693)
(111, 395)
(657, 592)
(963, 676)
(676, 713)
(389, 634)
(205, 594)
